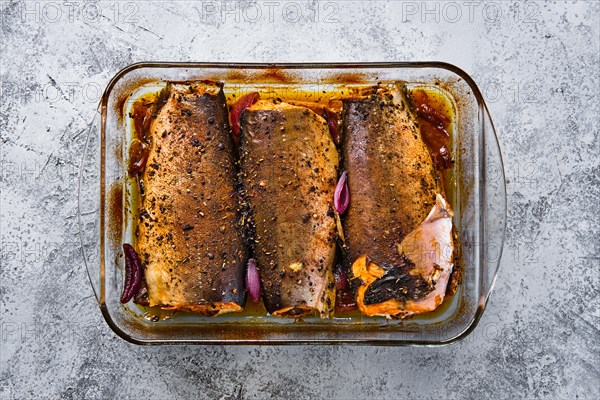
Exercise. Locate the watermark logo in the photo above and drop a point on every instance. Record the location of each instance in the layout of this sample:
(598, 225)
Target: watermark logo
(468, 11)
(75, 11)
(31, 332)
(58, 172)
(269, 11)
(28, 252)
(53, 92)
(516, 91)
(74, 92)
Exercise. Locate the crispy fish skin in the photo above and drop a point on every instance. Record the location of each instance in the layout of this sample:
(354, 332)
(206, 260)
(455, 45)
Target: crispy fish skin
(393, 187)
(189, 233)
(289, 168)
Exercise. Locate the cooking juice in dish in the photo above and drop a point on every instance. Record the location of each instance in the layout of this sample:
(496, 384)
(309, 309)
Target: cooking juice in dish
(424, 98)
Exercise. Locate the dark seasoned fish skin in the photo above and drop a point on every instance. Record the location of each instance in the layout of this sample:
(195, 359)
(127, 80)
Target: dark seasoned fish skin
(397, 283)
(391, 176)
(189, 233)
(289, 169)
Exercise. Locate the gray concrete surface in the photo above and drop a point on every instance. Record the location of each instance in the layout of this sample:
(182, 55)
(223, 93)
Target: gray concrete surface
(538, 66)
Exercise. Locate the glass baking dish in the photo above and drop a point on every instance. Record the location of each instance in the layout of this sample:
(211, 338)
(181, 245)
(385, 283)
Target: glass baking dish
(478, 198)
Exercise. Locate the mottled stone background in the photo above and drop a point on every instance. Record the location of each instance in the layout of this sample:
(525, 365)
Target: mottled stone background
(537, 64)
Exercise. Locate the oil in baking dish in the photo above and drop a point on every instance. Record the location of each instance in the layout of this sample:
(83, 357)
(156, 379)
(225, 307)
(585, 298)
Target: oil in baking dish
(141, 109)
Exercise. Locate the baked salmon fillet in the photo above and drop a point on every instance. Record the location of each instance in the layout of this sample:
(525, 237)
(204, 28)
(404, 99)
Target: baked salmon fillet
(189, 235)
(398, 226)
(289, 167)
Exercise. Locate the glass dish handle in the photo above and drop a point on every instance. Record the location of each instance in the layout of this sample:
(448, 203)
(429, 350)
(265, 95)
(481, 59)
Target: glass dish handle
(494, 200)
(88, 204)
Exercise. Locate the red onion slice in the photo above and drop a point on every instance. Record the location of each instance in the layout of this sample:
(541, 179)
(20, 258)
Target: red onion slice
(236, 112)
(345, 302)
(341, 197)
(253, 281)
(341, 280)
(432, 116)
(133, 273)
(333, 126)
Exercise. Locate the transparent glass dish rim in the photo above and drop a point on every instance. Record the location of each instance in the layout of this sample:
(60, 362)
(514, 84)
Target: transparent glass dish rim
(481, 199)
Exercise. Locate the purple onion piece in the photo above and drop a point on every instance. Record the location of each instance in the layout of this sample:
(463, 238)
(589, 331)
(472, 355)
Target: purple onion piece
(341, 280)
(341, 197)
(432, 116)
(237, 109)
(333, 127)
(253, 281)
(133, 273)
